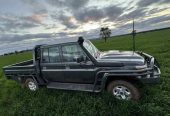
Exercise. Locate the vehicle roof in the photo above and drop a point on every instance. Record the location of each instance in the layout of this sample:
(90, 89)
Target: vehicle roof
(60, 41)
(68, 40)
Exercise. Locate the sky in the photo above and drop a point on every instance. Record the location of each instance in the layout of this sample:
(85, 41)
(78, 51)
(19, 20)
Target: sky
(26, 23)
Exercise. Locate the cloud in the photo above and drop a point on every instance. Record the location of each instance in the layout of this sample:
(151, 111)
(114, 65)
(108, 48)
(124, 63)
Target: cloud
(12, 23)
(145, 3)
(68, 21)
(16, 37)
(28, 41)
(156, 10)
(145, 24)
(85, 15)
(90, 14)
(71, 4)
(36, 18)
(35, 6)
(113, 12)
(140, 12)
(76, 4)
(155, 20)
(96, 14)
(46, 36)
(165, 1)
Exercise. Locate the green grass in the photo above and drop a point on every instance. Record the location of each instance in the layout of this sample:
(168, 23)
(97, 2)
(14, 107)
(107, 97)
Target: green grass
(155, 99)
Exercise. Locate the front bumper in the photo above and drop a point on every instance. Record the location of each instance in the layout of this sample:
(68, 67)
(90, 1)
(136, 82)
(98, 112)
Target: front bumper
(153, 76)
(150, 80)
(153, 72)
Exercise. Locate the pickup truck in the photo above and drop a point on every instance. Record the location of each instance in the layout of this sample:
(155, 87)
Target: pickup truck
(76, 64)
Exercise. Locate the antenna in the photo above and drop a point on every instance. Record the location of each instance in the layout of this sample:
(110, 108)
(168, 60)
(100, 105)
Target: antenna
(133, 35)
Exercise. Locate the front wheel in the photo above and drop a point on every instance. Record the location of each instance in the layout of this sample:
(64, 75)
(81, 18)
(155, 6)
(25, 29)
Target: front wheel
(123, 90)
(31, 84)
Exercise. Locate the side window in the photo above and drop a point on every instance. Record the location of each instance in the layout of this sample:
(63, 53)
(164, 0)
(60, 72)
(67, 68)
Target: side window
(70, 52)
(51, 55)
(54, 55)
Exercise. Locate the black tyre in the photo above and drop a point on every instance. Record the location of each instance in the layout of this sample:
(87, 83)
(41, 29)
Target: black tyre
(123, 90)
(31, 84)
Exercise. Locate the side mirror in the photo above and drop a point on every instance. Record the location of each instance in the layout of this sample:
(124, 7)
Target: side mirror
(80, 59)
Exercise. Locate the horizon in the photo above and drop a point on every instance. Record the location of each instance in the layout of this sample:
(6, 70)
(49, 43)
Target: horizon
(30, 49)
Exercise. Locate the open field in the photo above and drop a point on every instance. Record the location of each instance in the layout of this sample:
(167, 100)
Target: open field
(155, 99)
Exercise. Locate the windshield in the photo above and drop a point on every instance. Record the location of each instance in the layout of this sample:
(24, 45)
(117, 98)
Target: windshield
(91, 49)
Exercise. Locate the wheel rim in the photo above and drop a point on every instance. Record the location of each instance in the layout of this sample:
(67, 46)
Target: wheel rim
(32, 86)
(122, 93)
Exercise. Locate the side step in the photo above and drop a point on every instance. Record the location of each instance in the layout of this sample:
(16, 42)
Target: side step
(73, 86)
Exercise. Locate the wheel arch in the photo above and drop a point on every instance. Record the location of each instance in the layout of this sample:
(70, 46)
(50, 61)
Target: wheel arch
(23, 78)
(131, 79)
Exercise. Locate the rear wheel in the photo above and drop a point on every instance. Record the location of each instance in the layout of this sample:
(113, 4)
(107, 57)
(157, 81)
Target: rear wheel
(31, 84)
(123, 90)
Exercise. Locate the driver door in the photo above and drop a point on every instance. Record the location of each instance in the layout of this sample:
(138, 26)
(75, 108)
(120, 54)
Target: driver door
(74, 72)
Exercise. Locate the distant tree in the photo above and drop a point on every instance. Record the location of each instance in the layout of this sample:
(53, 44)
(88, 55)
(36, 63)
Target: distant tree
(105, 33)
(16, 52)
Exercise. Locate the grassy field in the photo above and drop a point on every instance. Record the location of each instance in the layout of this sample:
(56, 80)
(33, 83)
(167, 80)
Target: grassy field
(155, 99)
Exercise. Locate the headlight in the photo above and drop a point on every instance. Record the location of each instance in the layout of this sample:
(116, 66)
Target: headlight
(141, 67)
(152, 62)
(148, 76)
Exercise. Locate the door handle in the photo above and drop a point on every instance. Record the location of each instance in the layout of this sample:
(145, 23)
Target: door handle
(87, 63)
(44, 67)
(67, 66)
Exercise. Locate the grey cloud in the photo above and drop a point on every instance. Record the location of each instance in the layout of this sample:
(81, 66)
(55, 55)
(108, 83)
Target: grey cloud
(155, 10)
(113, 12)
(36, 6)
(134, 14)
(95, 14)
(89, 14)
(20, 25)
(126, 26)
(165, 1)
(141, 12)
(94, 33)
(71, 4)
(55, 2)
(144, 25)
(66, 20)
(76, 4)
(155, 20)
(17, 42)
(119, 31)
(11, 23)
(40, 11)
(14, 38)
(142, 3)
(145, 3)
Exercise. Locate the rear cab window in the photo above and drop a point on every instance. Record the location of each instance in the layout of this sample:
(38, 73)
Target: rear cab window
(51, 55)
